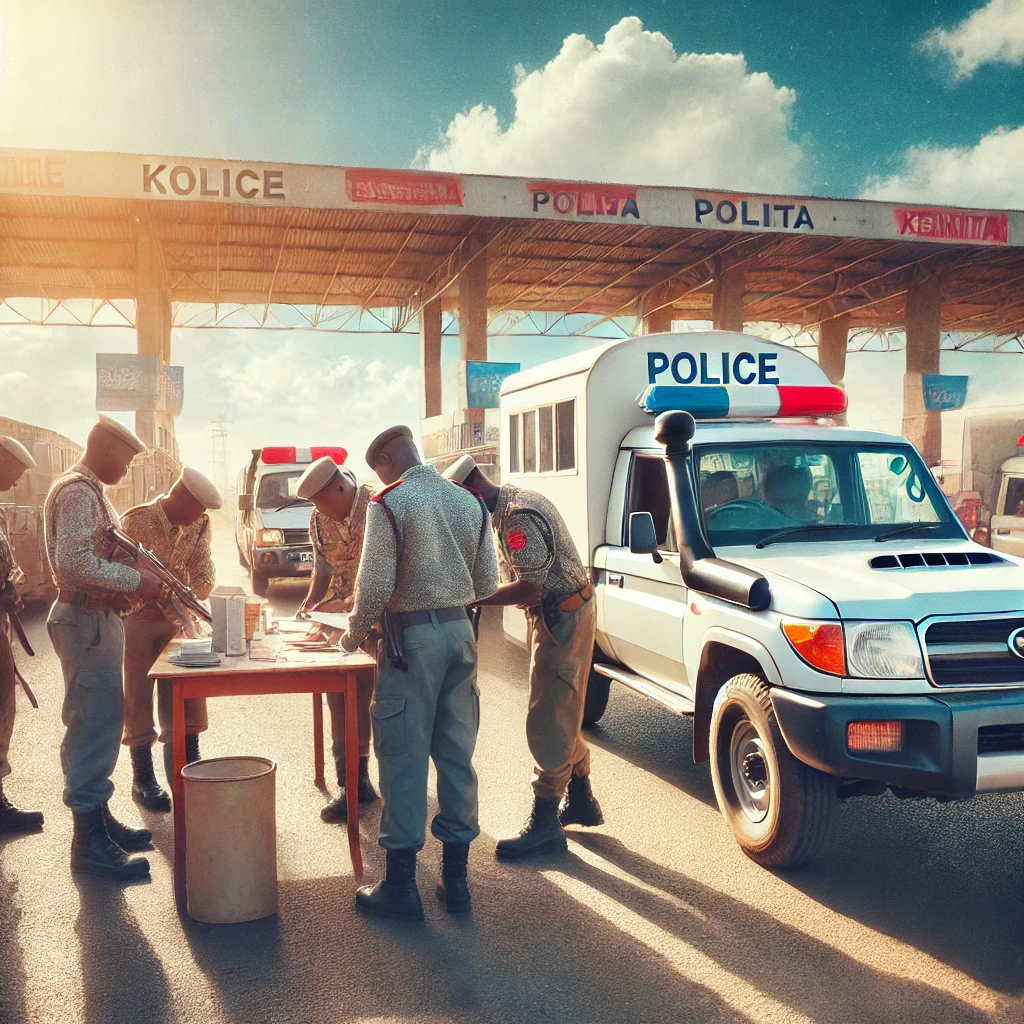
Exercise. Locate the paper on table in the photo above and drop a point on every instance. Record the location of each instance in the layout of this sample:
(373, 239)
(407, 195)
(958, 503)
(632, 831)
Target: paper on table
(336, 620)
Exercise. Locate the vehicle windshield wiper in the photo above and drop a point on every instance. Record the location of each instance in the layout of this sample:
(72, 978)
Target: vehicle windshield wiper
(790, 531)
(288, 504)
(907, 528)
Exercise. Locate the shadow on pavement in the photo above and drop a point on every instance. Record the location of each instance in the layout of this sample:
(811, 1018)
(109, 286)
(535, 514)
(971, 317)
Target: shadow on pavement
(13, 980)
(939, 877)
(109, 939)
(754, 945)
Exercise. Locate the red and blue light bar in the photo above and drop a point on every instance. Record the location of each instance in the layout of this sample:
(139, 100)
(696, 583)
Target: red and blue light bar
(283, 455)
(744, 401)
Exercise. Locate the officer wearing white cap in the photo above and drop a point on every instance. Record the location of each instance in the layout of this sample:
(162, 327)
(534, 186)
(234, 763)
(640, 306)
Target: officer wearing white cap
(543, 574)
(336, 528)
(14, 460)
(176, 528)
(85, 627)
(427, 554)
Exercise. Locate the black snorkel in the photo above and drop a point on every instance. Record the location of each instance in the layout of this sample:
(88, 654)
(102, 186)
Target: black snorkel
(698, 566)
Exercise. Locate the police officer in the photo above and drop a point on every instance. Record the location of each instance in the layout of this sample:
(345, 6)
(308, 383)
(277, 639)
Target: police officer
(176, 528)
(85, 628)
(427, 555)
(544, 575)
(14, 460)
(336, 529)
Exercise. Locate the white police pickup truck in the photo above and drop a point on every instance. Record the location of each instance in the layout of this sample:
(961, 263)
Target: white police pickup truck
(801, 588)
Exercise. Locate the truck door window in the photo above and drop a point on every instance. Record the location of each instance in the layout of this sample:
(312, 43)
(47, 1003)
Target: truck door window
(545, 432)
(1014, 504)
(895, 489)
(565, 434)
(530, 441)
(514, 461)
(648, 492)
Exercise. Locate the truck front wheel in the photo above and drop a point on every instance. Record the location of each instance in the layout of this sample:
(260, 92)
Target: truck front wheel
(779, 809)
(258, 582)
(596, 700)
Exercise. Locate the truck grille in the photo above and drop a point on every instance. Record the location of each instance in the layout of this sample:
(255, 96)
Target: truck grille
(1000, 739)
(973, 653)
(296, 537)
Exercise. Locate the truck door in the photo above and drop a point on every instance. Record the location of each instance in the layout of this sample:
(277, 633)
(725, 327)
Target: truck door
(1007, 527)
(644, 601)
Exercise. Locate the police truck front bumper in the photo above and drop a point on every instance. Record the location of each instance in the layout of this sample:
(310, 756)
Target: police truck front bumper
(283, 561)
(953, 744)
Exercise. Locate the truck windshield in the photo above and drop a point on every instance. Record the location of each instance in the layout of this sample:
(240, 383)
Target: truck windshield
(277, 490)
(749, 492)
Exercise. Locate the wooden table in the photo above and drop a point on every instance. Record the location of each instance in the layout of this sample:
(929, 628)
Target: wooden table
(317, 673)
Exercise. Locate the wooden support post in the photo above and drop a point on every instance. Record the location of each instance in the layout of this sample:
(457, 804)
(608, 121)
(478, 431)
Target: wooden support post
(922, 427)
(430, 357)
(472, 318)
(153, 329)
(727, 299)
(833, 332)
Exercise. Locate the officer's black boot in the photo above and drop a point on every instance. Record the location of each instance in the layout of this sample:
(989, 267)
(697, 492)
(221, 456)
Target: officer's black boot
(580, 806)
(396, 896)
(128, 838)
(14, 820)
(145, 789)
(452, 887)
(542, 834)
(191, 747)
(93, 852)
(337, 810)
(367, 794)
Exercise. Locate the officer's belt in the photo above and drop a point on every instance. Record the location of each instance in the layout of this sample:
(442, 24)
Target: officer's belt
(92, 602)
(576, 600)
(403, 620)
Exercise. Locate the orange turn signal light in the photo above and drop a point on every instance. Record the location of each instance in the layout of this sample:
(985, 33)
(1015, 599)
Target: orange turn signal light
(886, 737)
(820, 644)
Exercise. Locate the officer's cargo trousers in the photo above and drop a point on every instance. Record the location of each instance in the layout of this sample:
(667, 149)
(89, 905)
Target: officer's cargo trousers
(7, 687)
(143, 642)
(429, 711)
(90, 646)
(560, 658)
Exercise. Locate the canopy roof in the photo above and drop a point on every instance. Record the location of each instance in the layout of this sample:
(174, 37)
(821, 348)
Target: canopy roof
(253, 232)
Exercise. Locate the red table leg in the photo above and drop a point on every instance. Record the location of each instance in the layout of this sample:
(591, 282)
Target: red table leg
(352, 772)
(318, 738)
(178, 728)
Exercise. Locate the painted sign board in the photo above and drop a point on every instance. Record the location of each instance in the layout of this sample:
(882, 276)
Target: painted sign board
(483, 383)
(168, 179)
(126, 382)
(943, 391)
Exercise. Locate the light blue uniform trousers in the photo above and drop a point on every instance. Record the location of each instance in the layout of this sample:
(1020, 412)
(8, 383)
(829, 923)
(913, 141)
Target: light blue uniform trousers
(430, 711)
(90, 646)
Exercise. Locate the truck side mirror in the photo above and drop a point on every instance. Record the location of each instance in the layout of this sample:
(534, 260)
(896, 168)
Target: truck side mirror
(245, 503)
(643, 539)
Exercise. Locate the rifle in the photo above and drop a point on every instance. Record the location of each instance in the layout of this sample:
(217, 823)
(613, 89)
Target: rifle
(181, 598)
(8, 607)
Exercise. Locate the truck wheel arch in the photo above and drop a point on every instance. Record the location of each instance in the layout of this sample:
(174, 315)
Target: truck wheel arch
(724, 655)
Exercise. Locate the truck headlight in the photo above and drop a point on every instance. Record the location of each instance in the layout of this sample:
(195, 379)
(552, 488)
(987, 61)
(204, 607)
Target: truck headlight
(269, 538)
(883, 650)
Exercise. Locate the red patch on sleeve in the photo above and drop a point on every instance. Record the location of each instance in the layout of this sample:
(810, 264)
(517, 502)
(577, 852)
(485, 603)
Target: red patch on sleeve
(517, 540)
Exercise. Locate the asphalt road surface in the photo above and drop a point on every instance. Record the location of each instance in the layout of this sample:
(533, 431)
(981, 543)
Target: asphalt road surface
(913, 914)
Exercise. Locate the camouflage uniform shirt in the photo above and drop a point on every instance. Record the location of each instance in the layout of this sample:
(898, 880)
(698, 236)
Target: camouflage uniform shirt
(185, 550)
(337, 547)
(534, 543)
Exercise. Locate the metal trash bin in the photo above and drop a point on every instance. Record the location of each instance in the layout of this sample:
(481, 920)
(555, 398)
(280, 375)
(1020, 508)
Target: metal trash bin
(230, 839)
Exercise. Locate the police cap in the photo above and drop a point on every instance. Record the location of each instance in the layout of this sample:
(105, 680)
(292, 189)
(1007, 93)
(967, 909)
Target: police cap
(200, 488)
(460, 469)
(122, 433)
(18, 451)
(382, 440)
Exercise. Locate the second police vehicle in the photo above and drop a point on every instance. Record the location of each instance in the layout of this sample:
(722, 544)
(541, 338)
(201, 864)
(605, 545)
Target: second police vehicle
(801, 588)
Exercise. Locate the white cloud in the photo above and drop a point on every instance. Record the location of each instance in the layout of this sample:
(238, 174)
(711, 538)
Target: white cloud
(630, 109)
(993, 33)
(986, 174)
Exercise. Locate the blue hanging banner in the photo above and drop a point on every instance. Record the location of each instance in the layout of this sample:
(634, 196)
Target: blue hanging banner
(943, 391)
(483, 383)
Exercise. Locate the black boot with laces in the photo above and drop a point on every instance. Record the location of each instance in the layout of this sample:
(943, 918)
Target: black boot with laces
(542, 833)
(145, 789)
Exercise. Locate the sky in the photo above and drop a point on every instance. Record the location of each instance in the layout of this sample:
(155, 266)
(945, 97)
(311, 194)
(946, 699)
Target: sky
(919, 99)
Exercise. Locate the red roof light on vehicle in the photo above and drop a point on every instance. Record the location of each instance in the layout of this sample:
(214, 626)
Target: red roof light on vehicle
(277, 456)
(1020, 441)
(338, 454)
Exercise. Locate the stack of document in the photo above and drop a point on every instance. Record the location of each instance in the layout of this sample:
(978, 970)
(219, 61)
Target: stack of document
(196, 653)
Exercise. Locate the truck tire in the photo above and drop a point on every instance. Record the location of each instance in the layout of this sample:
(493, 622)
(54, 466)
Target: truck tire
(258, 582)
(596, 700)
(779, 809)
